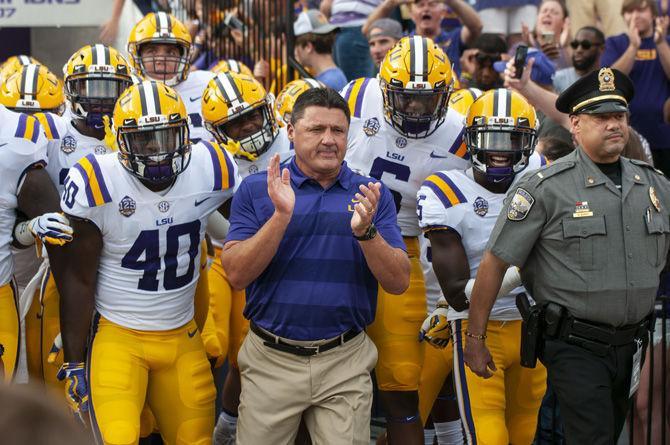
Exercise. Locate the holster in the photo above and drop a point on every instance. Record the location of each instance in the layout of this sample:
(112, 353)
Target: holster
(531, 331)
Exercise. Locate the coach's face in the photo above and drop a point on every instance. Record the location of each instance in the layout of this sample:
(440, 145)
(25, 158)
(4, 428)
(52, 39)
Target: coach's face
(320, 140)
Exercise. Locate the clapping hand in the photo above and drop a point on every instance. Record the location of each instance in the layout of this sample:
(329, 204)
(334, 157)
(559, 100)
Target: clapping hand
(661, 29)
(279, 188)
(366, 207)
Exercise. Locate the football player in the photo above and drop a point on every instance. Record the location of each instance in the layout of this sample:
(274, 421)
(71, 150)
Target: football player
(457, 211)
(140, 216)
(14, 64)
(26, 188)
(239, 113)
(438, 361)
(160, 48)
(287, 97)
(401, 131)
(95, 76)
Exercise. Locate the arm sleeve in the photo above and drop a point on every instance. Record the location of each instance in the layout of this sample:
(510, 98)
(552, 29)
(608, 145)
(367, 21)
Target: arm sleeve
(386, 220)
(244, 222)
(515, 235)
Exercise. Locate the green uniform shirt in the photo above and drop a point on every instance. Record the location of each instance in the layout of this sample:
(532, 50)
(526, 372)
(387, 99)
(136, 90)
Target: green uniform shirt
(583, 243)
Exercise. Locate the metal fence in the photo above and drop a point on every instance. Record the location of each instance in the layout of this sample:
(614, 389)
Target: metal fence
(258, 33)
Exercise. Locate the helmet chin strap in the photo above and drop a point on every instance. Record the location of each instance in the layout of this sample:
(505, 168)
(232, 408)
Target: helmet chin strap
(499, 174)
(94, 120)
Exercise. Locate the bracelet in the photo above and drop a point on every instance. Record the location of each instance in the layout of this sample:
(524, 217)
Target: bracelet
(477, 337)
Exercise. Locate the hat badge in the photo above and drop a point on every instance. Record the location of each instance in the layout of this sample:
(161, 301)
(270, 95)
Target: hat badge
(606, 79)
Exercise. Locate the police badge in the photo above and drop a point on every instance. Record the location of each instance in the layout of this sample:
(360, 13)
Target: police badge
(127, 206)
(481, 206)
(520, 205)
(371, 127)
(68, 145)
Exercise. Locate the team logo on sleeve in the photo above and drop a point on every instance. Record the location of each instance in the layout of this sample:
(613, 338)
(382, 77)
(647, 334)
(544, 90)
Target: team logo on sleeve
(400, 142)
(520, 205)
(127, 206)
(371, 126)
(481, 206)
(68, 145)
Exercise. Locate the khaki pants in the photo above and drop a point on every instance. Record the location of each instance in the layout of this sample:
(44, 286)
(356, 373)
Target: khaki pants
(332, 390)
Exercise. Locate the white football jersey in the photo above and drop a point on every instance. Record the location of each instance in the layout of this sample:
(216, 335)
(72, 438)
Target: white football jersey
(454, 200)
(190, 92)
(22, 145)
(376, 149)
(67, 146)
(151, 241)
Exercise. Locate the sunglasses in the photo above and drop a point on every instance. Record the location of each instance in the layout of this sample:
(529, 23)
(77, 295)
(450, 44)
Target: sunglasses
(483, 58)
(586, 44)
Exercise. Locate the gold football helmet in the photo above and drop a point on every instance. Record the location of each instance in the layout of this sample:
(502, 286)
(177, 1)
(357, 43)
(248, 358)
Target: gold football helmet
(287, 97)
(231, 65)
(461, 100)
(95, 76)
(33, 89)
(415, 78)
(14, 64)
(500, 133)
(151, 127)
(237, 107)
(153, 30)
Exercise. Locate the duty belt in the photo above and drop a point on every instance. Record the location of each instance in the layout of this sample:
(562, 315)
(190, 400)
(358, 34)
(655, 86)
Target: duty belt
(599, 338)
(275, 342)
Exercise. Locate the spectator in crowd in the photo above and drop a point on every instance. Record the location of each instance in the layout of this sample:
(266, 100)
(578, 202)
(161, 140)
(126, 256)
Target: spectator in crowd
(551, 32)
(351, 48)
(587, 47)
(382, 35)
(314, 42)
(553, 148)
(506, 17)
(644, 54)
(311, 244)
(490, 49)
(591, 12)
(427, 16)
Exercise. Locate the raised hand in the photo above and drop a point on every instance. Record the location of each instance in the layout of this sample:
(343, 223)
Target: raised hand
(661, 29)
(364, 210)
(279, 188)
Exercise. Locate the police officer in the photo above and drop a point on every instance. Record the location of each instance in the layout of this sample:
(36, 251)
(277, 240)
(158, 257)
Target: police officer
(590, 234)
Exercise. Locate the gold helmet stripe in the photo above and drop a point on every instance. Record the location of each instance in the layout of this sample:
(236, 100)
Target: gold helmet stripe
(228, 88)
(313, 83)
(24, 60)
(149, 100)
(233, 65)
(29, 81)
(418, 62)
(502, 103)
(100, 55)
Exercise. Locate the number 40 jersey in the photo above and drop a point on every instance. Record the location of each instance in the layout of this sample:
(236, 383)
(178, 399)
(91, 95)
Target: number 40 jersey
(376, 149)
(151, 241)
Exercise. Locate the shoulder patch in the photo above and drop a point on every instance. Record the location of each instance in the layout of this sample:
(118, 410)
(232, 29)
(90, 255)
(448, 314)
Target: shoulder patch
(28, 127)
(520, 205)
(459, 148)
(222, 166)
(354, 95)
(97, 193)
(48, 125)
(445, 189)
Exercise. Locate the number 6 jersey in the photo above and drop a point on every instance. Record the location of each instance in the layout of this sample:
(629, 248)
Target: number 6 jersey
(151, 240)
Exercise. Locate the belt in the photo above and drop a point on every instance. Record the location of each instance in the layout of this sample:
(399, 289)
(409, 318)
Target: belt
(599, 338)
(275, 342)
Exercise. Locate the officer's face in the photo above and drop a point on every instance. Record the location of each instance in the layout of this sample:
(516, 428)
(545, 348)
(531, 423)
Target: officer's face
(602, 136)
(320, 140)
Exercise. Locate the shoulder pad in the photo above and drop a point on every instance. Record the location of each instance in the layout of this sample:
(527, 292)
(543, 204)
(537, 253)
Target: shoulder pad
(97, 193)
(51, 125)
(646, 164)
(551, 170)
(223, 167)
(28, 127)
(445, 189)
(354, 94)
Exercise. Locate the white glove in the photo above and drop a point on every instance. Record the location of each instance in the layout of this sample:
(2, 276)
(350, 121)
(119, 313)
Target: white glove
(50, 228)
(435, 328)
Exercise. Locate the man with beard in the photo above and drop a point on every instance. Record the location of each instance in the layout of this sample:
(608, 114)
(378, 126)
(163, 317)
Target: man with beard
(587, 47)
(490, 48)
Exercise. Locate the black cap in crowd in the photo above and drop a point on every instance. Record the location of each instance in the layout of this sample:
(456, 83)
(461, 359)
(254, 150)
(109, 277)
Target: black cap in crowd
(607, 90)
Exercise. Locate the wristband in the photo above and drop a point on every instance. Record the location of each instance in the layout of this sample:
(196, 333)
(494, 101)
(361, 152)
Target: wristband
(23, 235)
(476, 337)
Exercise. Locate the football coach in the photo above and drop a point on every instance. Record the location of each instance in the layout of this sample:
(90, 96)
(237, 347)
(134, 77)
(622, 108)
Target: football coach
(311, 241)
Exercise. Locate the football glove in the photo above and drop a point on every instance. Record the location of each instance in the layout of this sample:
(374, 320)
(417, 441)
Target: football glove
(51, 228)
(110, 137)
(435, 328)
(76, 388)
(56, 347)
